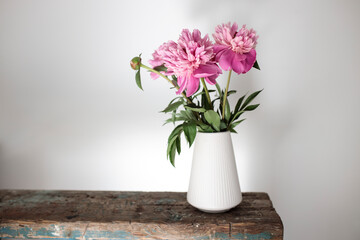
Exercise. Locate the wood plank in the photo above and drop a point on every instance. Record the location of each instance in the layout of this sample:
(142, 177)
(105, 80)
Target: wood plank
(131, 215)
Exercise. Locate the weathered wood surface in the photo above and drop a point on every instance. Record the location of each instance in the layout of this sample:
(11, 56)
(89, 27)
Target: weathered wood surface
(131, 215)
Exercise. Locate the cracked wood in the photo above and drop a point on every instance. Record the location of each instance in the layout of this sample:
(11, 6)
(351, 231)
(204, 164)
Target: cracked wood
(131, 215)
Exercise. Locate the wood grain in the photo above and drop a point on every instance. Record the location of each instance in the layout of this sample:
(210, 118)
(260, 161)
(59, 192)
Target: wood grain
(131, 215)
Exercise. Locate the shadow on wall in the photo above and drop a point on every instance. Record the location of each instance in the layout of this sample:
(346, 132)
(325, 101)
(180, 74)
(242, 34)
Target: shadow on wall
(268, 127)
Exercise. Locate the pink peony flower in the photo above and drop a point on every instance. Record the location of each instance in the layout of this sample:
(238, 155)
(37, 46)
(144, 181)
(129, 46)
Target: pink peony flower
(235, 49)
(158, 59)
(189, 59)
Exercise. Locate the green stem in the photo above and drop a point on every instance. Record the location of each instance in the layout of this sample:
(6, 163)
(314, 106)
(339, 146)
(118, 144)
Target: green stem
(206, 92)
(165, 77)
(225, 96)
(158, 73)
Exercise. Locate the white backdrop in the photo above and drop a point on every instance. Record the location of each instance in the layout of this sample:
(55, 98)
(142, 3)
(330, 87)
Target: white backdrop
(71, 116)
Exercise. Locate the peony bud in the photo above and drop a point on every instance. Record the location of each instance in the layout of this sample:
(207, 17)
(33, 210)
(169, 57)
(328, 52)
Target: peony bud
(135, 63)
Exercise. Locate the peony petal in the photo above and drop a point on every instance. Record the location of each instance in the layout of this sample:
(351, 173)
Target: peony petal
(234, 29)
(250, 60)
(206, 70)
(218, 55)
(196, 35)
(212, 79)
(181, 81)
(219, 71)
(226, 59)
(238, 63)
(199, 50)
(192, 85)
(218, 48)
(154, 75)
(156, 62)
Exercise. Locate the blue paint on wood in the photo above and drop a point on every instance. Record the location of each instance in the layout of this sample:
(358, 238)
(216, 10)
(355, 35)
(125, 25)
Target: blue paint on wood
(201, 238)
(44, 238)
(264, 235)
(249, 236)
(26, 232)
(165, 201)
(125, 195)
(109, 235)
(43, 232)
(53, 233)
(7, 231)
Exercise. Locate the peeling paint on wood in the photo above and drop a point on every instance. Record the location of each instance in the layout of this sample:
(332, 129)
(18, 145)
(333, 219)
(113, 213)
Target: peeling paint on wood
(131, 215)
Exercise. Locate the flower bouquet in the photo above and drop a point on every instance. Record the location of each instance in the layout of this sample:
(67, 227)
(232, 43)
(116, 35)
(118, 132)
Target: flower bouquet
(190, 65)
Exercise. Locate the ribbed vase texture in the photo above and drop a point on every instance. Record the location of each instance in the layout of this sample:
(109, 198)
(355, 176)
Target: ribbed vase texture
(214, 183)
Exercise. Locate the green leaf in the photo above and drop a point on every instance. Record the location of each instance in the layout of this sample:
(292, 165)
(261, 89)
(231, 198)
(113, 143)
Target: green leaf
(204, 102)
(176, 132)
(169, 120)
(231, 92)
(234, 124)
(185, 115)
(181, 99)
(172, 143)
(232, 130)
(169, 146)
(200, 93)
(237, 115)
(227, 111)
(197, 94)
(219, 89)
(222, 125)
(213, 118)
(173, 106)
(221, 98)
(172, 154)
(204, 127)
(256, 65)
(195, 109)
(188, 115)
(213, 101)
(178, 144)
(138, 79)
(238, 104)
(251, 107)
(190, 132)
(174, 119)
(161, 68)
(250, 98)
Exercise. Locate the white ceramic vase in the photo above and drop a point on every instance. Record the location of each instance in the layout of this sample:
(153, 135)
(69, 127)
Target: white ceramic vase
(214, 183)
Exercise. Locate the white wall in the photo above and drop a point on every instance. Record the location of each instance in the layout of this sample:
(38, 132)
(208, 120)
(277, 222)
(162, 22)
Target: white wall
(71, 116)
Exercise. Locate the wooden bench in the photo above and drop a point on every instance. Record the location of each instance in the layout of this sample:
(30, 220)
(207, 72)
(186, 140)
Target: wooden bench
(131, 215)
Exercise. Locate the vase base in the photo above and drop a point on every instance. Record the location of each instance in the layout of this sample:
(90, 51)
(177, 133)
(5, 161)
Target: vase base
(214, 211)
